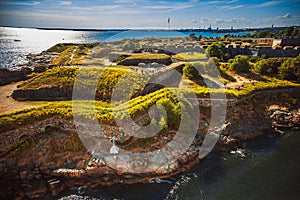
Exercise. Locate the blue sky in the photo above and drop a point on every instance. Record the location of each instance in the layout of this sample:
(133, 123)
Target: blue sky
(149, 13)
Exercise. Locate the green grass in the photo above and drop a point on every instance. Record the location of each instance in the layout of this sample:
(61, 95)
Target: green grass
(148, 56)
(73, 55)
(190, 56)
(106, 77)
(135, 107)
(103, 111)
(270, 84)
(63, 46)
(248, 89)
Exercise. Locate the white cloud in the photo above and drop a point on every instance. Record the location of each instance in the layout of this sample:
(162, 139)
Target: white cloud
(219, 2)
(33, 3)
(130, 1)
(167, 7)
(231, 7)
(96, 8)
(287, 16)
(269, 3)
(231, 21)
(65, 3)
(204, 19)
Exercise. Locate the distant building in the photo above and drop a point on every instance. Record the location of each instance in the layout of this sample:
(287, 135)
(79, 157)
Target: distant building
(209, 28)
(265, 41)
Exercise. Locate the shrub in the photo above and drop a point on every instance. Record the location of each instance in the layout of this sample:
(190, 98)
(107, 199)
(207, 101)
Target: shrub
(263, 68)
(254, 59)
(217, 49)
(190, 71)
(239, 64)
(290, 69)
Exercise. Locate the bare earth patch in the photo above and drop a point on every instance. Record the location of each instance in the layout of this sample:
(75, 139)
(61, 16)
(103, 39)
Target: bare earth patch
(8, 104)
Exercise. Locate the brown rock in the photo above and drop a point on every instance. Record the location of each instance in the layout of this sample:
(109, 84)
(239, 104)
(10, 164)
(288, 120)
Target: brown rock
(55, 186)
(35, 188)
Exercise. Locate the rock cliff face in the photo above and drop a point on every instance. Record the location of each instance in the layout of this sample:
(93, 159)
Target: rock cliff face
(48, 156)
(43, 94)
(7, 76)
(136, 62)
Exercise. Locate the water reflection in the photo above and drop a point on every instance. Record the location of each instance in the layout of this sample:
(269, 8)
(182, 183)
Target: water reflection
(16, 43)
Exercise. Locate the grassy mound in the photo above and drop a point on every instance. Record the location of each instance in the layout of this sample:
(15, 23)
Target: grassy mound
(73, 55)
(107, 78)
(136, 59)
(190, 56)
(63, 46)
(103, 112)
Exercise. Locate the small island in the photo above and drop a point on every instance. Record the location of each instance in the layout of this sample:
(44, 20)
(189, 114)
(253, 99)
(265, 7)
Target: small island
(42, 153)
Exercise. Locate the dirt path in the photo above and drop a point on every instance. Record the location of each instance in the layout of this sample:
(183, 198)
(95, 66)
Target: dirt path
(240, 82)
(7, 104)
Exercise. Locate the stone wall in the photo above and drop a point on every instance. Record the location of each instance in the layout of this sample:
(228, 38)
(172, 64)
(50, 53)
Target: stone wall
(238, 51)
(270, 52)
(136, 62)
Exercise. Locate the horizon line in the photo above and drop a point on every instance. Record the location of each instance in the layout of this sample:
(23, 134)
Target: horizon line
(154, 29)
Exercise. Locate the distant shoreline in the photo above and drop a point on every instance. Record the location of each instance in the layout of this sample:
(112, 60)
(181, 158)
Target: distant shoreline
(154, 29)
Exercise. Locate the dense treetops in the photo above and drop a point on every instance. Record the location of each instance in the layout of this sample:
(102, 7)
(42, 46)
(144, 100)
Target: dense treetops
(217, 49)
(283, 68)
(289, 31)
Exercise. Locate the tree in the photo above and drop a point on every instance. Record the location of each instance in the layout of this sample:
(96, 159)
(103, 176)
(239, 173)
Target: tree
(239, 63)
(194, 37)
(193, 72)
(190, 71)
(216, 49)
(263, 68)
(290, 69)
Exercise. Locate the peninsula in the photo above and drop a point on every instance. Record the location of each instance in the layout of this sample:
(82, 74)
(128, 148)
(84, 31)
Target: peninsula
(40, 149)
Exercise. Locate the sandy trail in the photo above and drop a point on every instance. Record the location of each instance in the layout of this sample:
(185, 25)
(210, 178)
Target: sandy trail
(8, 104)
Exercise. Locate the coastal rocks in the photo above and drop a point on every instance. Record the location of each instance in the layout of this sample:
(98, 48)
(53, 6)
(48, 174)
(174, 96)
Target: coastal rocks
(246, 123)
(56, 157)
(226, 143)
(35, 188)
(56, 186)
(37, 63)
(40, 62)
(284, 118)
(7, 76)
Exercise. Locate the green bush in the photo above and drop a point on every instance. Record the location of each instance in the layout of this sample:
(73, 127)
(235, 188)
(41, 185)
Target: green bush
(263, 68)
(255, 59)
(290, 69)
(239, 64)
(216, 49)
(190, 71)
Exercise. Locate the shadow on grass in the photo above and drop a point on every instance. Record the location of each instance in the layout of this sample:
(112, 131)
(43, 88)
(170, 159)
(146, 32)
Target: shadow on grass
(253, 76)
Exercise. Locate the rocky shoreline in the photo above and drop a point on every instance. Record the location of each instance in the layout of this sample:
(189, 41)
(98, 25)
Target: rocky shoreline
(47, 157)
(37, 63)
